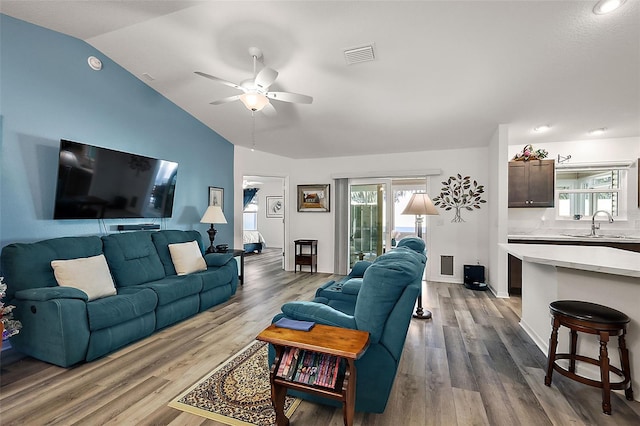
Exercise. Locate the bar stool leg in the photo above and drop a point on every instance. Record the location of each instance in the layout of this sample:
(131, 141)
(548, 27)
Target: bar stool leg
(604, 373)
(624, 360)
(572, 351)
(553, 344)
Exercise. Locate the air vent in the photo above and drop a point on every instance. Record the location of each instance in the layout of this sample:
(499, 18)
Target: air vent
(359, 54)
(446, 265)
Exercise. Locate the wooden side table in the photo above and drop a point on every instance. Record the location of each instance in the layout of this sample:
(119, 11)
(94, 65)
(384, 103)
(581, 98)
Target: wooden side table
(306, 256)
(343, 342)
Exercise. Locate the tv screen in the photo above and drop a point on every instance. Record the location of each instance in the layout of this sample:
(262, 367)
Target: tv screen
(101, 183)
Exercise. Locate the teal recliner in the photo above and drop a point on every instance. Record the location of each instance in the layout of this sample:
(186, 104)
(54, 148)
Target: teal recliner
(383, 307)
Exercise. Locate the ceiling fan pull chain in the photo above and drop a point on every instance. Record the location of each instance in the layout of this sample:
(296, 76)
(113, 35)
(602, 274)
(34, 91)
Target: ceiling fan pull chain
(253, 130)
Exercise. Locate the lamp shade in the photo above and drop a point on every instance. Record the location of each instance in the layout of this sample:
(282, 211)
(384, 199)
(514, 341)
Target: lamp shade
(213, 215)
(420, 204)
(254, 101)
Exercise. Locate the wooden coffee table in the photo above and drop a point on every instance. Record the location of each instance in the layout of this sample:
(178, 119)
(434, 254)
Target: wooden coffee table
(343, 342)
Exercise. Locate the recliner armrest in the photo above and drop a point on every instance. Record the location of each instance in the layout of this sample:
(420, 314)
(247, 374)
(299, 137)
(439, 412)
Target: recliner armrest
(352, 286)
(359, 268)
(318, 313)
(48, 293)
(217, 259)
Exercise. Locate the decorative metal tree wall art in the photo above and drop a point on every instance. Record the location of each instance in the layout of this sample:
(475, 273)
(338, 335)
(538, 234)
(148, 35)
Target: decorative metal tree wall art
(458, 193)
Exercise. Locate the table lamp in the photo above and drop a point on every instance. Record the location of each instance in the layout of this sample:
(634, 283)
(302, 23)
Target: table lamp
(213, 215)
(420, 204)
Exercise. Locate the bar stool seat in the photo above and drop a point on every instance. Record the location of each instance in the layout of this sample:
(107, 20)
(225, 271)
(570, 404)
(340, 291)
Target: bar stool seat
(596, 319)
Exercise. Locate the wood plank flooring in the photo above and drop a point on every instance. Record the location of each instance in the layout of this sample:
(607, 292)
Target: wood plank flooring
(471, 364)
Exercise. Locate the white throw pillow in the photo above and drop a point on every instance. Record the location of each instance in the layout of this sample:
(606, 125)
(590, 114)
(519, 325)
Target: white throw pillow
(187, 258)
(89, 274)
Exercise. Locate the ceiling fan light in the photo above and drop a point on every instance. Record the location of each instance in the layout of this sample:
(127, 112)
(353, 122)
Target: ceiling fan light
(596, 132)
(605, 6)
(254, 101)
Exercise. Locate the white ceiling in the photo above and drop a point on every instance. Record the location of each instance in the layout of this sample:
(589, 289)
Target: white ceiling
(446, 73)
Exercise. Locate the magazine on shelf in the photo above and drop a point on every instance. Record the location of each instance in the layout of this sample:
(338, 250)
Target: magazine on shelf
(309, 367)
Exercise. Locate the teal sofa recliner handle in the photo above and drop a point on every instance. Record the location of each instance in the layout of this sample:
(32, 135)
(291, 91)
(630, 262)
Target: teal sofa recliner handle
(383, 307)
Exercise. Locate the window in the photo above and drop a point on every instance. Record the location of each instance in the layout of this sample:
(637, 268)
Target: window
(582, 192)
(250, 216)
(403, 189)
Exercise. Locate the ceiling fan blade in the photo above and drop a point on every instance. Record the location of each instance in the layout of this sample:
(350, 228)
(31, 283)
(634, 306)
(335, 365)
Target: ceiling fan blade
(269, 110)
(289, 97)
(219, 80)
(265, 78)
(225, 100)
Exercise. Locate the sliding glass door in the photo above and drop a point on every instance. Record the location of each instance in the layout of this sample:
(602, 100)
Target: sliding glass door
(375, 222)
(368, 216)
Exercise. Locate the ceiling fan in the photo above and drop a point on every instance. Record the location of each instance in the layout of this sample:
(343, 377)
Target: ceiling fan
(256, 92)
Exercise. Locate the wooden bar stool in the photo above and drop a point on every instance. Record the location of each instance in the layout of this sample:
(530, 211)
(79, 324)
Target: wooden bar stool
(593, 319)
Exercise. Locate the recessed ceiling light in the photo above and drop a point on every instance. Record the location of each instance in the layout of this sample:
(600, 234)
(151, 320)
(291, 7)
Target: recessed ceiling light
(541, 129)
(94, 63)
(599, 131)
(605, 6)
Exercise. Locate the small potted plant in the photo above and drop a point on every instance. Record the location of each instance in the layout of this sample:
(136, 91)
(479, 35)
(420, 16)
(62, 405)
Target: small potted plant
(528, 153)
(8, 326)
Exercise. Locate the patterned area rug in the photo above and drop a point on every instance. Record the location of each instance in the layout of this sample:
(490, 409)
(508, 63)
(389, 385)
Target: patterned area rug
(237, 392)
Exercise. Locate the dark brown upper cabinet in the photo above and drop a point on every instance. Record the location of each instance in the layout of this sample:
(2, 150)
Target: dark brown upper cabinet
(531, 183)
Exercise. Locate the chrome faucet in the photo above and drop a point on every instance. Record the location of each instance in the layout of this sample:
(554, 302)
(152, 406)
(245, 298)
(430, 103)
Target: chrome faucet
(595, 225)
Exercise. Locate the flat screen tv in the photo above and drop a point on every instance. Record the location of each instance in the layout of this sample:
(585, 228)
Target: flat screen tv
(101, 183)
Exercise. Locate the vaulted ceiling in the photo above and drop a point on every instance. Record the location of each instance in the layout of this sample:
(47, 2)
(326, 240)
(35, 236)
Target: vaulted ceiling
(445, 73)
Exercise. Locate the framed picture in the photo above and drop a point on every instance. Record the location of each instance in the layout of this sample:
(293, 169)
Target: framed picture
(313, 198)
(275, 206)
(216, 197)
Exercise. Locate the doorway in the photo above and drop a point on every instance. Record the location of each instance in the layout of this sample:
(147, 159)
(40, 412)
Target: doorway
(263, 215)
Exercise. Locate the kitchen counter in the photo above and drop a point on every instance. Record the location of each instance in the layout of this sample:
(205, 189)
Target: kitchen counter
(596, 259)
(577, 236)
(603, 275)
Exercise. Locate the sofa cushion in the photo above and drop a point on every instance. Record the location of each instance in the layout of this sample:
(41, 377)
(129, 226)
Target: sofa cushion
(121, 308)
(170, 289)
(162, 239)
(187, 258)
(217, 276)
(352, 286)
(384, 282)
(28, 265)
(132, 258)
(414, 243)
(359, 268)
(89, 274)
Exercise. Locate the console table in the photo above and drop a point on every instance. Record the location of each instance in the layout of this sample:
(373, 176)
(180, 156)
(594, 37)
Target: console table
(306, 256)
(323, 339)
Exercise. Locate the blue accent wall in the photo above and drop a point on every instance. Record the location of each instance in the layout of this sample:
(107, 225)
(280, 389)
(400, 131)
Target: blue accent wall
(48, 93)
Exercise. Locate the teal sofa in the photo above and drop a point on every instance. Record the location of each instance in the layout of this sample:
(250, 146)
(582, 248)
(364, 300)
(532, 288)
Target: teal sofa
(60, 325)
(383, 306)
(342, 294)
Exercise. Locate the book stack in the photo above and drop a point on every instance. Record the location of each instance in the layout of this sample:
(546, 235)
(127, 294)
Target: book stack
(308, 367)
